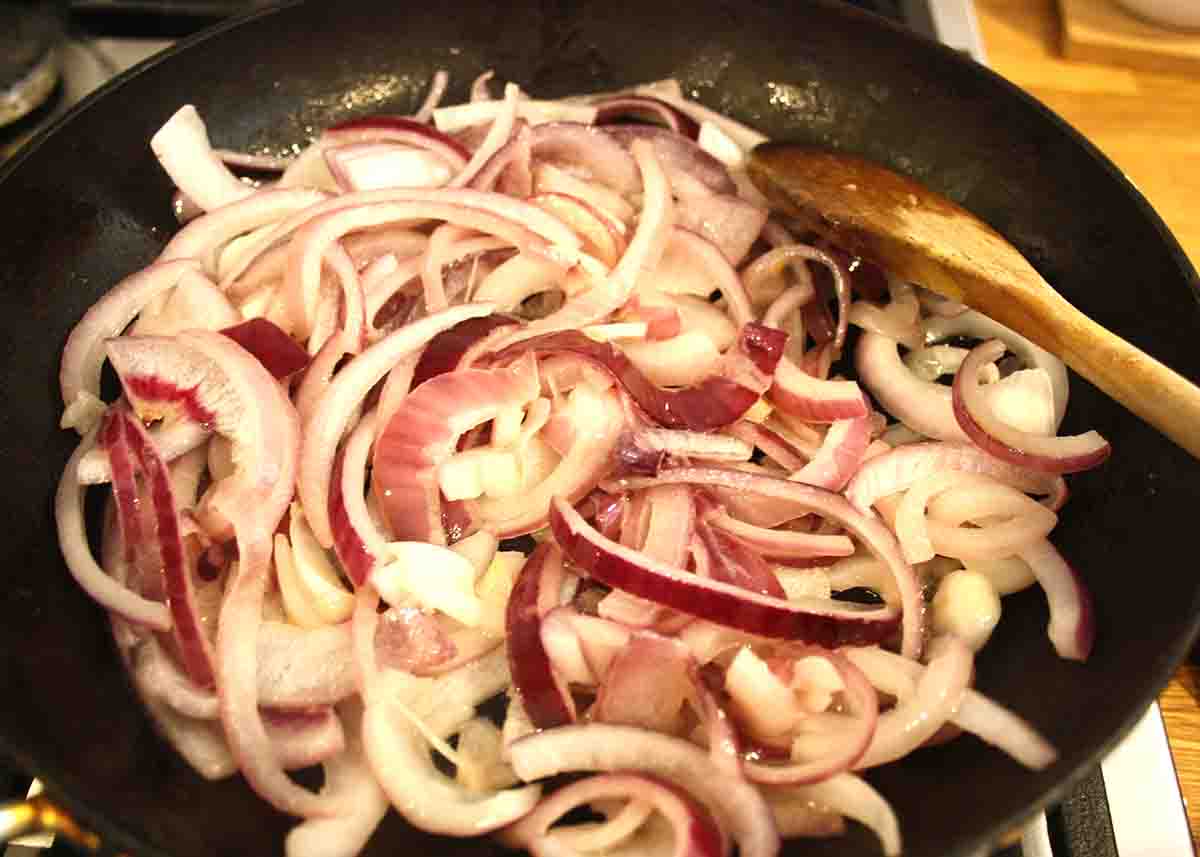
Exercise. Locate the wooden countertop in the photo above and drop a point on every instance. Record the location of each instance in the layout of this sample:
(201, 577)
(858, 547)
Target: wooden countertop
(1149, 125)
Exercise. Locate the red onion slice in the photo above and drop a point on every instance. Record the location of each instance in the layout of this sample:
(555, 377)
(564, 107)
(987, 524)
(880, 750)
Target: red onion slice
(715, 402)
(83, 355)
(738, 807)
(782, 544)
(685, 162)
(546, 699)
(937, 696)
(1072, 627)
(182, 148)
(597, 420)
(613, 110)
(871, 533)
(273, 348)
(334, 409)
(73, 541)
(812, 399)
(843, 743)
(901, 468)
(424, 432)
(641, 256)
(853, 797)
(1048, 454)
(303, 668)
(840, 455)
(646, 684)
(814, 620)
(979, 326)
(349, 777)
(187, 627)
(923, 406)
(397, 129)
(695, 833)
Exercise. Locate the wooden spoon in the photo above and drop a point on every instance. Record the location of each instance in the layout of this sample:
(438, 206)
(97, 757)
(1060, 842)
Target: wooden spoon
(925, 238)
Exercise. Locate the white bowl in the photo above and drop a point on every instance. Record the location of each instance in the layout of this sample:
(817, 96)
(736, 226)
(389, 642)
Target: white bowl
(1170, 13)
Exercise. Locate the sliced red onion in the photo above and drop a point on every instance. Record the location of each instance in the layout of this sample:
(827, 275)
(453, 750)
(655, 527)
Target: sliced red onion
(194, 302)
(899, 320)
(183, 150)
(171, 442)
(403, 713)
(187, 628)
(738, 807)
(83, 355)
(1072, 626)
(843, 741)
(715, 402)
(1048, 454)
(731, 223)
(613, 110)
(824, 622)
(199, 742)
(646, 684)
(303, 279)
(356, 541)
(399, 756)
(777, 447)
(1029, 521)
(460, 117)
(781, 544)
(104, 589)
(901, 468)
(871, 533)
(303, 739)
(812, 399)
(424, 431)
(597, 421)
(915, 720)
(641, 255)
(699, 249)
(743, 135)
(348, 776)
(205, 235)
(976, 713)
(839, 457)
(685, 162)
(333, 411)
(546, 699)
(603, 235)
(695, 833)
(498, 134)
(157, 674)
(437, 89)
(694, 444)
(731, 562)
(479, 87)
(397, 129)
(374, 166)
(273, 348)
(979, 326)
(923, 406)
(301, 668)
(853, 797)
(547, 178)
(260, 163)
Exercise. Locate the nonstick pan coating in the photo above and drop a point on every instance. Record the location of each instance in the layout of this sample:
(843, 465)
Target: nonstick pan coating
(88, 204)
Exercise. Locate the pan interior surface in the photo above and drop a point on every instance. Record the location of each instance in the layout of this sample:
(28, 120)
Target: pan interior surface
(88, 204)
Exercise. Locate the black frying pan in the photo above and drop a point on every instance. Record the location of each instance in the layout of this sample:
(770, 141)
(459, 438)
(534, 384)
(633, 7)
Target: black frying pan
(87, 204)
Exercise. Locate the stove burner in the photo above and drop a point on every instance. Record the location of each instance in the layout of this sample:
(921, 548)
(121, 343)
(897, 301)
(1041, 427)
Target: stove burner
(28, 59)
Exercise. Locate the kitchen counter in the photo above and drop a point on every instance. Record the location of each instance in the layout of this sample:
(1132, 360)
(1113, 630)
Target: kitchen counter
(1149, 125)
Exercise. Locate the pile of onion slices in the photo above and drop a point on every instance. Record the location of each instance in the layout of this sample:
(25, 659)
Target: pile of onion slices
(533, 408)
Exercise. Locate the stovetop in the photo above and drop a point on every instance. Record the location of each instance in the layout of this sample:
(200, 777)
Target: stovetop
(1128, 807)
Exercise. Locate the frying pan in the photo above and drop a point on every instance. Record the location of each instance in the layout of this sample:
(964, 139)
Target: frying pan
(86, 204)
